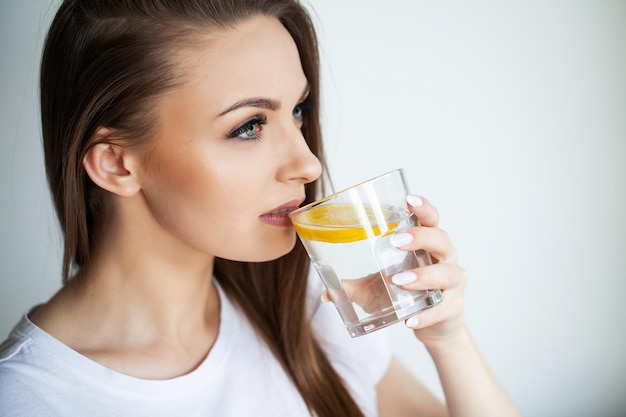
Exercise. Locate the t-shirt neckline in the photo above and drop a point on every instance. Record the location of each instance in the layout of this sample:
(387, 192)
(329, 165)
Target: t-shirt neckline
(97, 373)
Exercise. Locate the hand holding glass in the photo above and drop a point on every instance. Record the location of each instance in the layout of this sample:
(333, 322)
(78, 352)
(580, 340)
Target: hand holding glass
(347, 237)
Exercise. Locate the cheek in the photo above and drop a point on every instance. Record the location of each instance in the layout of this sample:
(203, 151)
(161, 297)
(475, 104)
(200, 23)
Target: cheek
(214, 207)
(186, 198)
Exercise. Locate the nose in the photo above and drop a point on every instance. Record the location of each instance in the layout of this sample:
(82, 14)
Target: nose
(299, 163)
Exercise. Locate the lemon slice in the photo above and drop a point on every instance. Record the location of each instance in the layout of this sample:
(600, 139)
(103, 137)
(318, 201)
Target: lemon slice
(341, 223)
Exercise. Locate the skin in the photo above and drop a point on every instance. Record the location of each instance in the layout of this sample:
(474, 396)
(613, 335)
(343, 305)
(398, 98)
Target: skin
(148, 299)
(148, 294)
(469, 386)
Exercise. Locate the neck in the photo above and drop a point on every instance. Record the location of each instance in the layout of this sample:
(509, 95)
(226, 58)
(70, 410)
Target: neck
(146, 296)
(140, 267)
(149, 289)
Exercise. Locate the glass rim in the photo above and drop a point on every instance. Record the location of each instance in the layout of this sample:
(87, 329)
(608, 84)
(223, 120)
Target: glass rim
(333, 195)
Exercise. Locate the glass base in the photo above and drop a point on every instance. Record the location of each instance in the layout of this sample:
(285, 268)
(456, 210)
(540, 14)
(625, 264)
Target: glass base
(389, 317)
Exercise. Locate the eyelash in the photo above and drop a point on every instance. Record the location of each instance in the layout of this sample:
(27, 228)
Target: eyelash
(305, 106)
(259, 120)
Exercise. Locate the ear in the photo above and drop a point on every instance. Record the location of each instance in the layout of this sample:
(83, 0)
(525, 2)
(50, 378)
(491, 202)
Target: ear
(110, 167)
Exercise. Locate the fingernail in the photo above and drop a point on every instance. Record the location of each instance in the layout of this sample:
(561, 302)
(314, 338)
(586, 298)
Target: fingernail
(414, 200)
(412, 322)
(404, 278)
(400, 239)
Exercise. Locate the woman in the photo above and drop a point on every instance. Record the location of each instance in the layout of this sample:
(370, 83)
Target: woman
(177, 136)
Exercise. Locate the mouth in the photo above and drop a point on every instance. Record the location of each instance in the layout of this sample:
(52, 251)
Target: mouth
(279, 216)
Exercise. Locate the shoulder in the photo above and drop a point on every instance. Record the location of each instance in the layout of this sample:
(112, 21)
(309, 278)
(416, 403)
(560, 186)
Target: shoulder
(360, 361)
(371, 352)
(13, 349)
(369, 355)
(18, 374)
(31, 358)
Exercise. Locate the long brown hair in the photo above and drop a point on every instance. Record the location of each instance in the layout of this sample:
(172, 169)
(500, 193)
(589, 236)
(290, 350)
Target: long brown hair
(104, 61)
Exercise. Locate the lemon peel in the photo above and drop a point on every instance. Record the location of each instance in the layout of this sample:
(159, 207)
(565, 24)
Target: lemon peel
(340, 223)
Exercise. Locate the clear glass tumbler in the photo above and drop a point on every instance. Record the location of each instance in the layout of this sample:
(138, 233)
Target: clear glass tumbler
(347, 235)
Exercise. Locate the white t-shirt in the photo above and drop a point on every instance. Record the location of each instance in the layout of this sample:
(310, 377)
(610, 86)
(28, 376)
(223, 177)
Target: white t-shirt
(40, 376)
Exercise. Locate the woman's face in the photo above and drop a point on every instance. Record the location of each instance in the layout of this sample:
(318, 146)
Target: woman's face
(229, 158)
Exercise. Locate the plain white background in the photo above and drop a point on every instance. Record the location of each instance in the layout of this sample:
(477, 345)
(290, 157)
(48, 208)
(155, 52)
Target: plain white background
(509, 116)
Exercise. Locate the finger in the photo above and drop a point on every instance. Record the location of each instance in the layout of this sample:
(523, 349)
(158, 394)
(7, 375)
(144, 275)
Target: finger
(431, 239)
(450, 309)
(425, 212)
(325, 297)
(442, 276)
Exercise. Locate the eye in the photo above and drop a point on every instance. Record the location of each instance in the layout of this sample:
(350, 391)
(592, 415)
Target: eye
(250, 130)
(300, 111)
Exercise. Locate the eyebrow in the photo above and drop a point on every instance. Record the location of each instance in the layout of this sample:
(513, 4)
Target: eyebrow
(260, 102)
(264, 103)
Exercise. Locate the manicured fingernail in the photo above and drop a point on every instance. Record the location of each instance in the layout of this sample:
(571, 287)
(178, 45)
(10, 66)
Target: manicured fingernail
(412, 322)
(404, 278)
(414, 200)
(400, 239)
(325, 298)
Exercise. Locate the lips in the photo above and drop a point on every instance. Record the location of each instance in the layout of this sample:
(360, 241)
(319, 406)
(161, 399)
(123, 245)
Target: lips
(279, 216)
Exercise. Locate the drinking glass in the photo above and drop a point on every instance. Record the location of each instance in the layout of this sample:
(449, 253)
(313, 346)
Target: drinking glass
(347, 236)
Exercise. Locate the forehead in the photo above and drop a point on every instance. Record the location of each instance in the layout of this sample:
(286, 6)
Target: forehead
(256, 57)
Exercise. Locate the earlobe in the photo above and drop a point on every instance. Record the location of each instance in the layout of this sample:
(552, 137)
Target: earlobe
(107, 166)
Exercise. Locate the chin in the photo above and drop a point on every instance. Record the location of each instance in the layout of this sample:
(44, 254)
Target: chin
(267, 251)
(279, 249)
